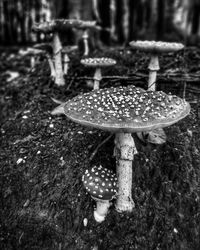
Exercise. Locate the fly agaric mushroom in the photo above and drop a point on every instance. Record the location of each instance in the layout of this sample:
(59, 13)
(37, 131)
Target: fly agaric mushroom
(65, 51)
(51, 27)
(101, 184)
(48, 51)
(154, 48)
(125, 110)
(98, 63)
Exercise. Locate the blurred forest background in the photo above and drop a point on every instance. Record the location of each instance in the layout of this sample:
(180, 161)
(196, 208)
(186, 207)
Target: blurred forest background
(121, 20)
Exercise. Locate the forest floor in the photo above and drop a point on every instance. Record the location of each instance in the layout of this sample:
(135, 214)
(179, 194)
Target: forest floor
(42, 158)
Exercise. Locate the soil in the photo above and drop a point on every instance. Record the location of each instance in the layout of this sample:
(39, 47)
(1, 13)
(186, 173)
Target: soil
(44, 205)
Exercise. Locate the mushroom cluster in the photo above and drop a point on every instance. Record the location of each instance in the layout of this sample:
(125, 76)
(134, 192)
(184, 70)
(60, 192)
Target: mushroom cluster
(98, 63)
(125, 110)
(101, 184)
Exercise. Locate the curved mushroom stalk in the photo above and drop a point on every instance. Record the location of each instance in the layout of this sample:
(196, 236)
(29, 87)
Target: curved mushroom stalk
(153, 68)
(102, 207)
(57, 47)
(85, 41)
(97, 78)
(124, 152)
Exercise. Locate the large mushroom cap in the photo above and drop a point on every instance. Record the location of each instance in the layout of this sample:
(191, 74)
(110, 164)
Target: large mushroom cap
(156, 46)
(98, 62)
(100, 182)
(126, 109)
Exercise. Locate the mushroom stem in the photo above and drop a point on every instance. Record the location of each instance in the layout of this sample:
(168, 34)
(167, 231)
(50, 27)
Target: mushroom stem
(85, 41)
(124, 152)
(101, 211)
(97, 78)
(51, 65)
(59, 80)
(66, 63)
(153, 68)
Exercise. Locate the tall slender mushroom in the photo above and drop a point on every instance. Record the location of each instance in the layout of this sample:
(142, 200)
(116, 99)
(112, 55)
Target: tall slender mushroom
(125, 110)
(52, 27)
(55, 26)
(154, 48)
(101, 184)
(98, 63)
(48, 51)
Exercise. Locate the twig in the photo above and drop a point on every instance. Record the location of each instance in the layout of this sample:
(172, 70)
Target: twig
(101, 144)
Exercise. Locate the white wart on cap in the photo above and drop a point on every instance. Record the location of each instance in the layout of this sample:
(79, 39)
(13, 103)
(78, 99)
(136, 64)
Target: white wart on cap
(100, 183)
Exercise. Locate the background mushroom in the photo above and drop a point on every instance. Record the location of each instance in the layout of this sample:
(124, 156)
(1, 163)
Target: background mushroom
(48, 51)
(154, 48)
(33, 53)
(101, 184)
(125, 110)
(66, 59)
(98, 63)
(52, 27)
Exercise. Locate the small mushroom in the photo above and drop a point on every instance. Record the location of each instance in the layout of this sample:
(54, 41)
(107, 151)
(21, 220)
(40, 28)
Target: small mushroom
(154, 48)
(65, 51)
(126, 110)
(33, 53)
(48, 51)
(101, 184)
(98, 63)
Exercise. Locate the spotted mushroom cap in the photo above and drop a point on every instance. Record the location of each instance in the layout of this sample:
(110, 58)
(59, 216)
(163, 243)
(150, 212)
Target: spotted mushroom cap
(100, 182)
(126, 109)
(98, 62)
(156, 46)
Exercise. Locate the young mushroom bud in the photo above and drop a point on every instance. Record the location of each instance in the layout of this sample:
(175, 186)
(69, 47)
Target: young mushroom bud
(101, 184)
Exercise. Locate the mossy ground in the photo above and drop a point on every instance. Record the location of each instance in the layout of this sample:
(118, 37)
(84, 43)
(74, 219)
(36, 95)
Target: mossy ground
(42, 159)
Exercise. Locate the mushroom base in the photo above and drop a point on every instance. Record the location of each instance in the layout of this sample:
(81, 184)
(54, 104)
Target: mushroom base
(124, 152)
(153, 68)
(101, 211)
